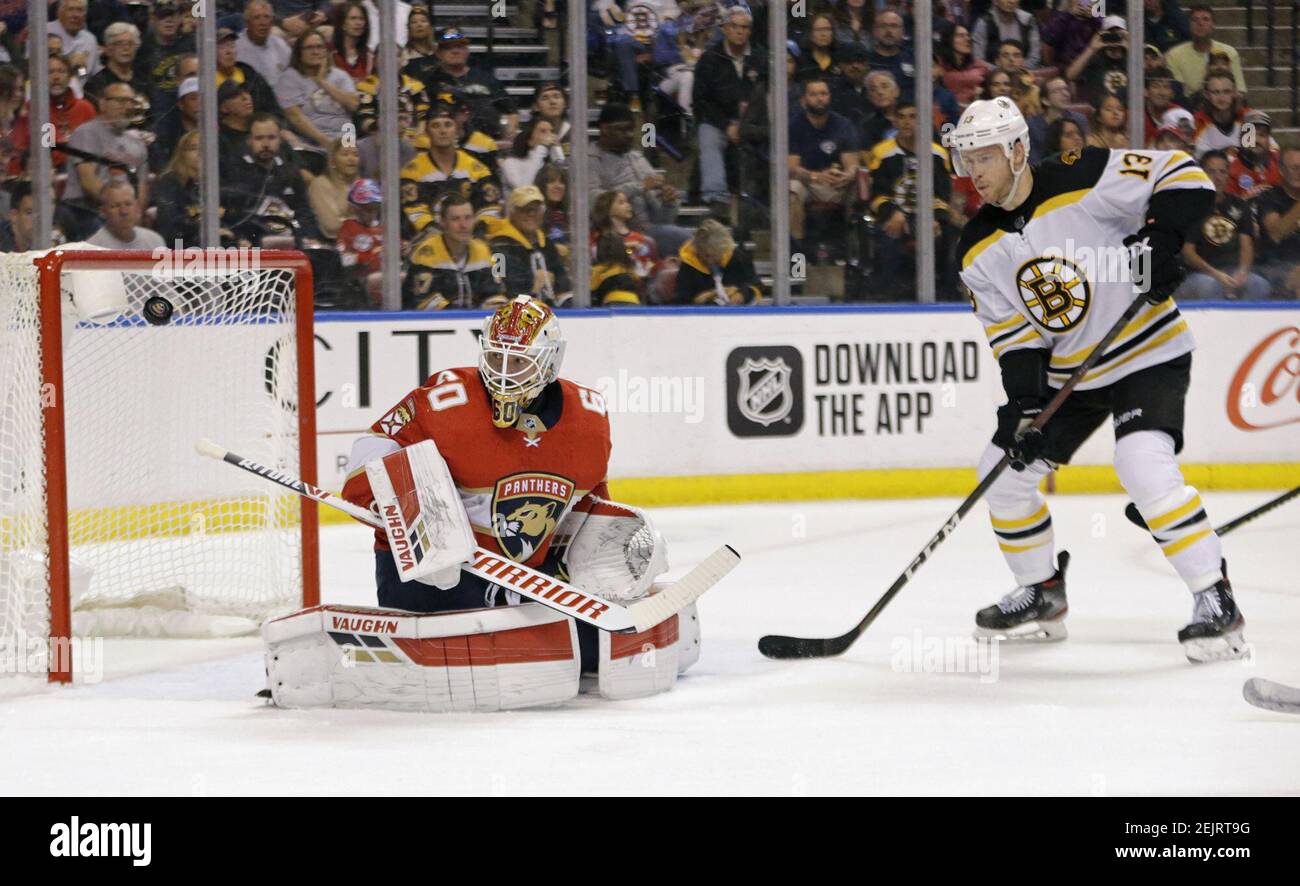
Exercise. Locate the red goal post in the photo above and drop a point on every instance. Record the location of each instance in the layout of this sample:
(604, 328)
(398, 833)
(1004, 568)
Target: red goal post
(122, 520)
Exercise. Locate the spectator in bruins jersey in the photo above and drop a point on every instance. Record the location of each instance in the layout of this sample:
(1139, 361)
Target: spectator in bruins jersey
(1220, 254)
(532, 263)
(1102, 67)
(230, 68)
(444, 168)
(614, 280)
(473, 141)
(715, 271)
(411, 93)
(892, 165)
(452, 269)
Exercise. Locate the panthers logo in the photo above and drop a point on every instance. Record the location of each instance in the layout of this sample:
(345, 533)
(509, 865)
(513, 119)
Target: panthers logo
(526, 508)
(1056, 292)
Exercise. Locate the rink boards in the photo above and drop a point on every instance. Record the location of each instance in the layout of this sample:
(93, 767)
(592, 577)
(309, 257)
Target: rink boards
(762, 404)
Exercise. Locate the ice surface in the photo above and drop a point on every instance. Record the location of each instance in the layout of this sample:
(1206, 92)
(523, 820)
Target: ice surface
(1115, 710)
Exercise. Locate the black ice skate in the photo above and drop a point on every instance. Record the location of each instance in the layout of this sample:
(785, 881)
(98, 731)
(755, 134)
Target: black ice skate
(1215, 631)
(1035, 613)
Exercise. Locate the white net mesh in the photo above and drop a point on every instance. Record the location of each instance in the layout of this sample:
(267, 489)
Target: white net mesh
(152, 525)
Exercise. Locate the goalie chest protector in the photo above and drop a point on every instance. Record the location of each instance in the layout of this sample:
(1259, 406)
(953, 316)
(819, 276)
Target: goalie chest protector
(1053, 274)
(517, 483)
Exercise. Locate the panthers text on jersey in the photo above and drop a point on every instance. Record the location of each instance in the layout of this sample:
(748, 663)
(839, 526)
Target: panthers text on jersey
(1053, 273)
(517, 483)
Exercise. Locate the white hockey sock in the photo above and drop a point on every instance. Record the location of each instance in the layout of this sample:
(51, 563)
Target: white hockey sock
(1021, 521)
(1173, 511)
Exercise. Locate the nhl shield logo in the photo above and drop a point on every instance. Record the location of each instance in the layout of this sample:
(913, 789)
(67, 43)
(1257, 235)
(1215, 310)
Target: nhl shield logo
(765, 391)
(526, 508)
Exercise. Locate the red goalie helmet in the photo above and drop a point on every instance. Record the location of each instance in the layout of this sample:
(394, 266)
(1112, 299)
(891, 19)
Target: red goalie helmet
(520, 353)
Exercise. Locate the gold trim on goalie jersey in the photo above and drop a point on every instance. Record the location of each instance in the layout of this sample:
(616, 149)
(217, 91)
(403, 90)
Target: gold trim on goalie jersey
(1056, 292)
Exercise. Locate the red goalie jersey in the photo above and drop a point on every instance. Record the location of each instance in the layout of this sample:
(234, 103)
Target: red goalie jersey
(518, 482)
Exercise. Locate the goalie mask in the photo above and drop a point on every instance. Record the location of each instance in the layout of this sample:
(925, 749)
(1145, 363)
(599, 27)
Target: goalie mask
(520, 353)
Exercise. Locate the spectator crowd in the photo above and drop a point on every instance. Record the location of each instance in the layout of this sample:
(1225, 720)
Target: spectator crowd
(679, 158)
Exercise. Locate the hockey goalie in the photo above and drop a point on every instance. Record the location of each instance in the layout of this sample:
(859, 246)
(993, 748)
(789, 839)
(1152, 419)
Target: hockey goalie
(509, 457)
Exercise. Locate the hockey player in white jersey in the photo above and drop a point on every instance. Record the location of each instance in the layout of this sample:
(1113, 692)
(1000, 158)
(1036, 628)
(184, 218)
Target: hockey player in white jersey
(1035, 261)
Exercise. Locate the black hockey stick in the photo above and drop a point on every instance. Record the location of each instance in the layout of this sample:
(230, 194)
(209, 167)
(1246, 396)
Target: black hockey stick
(777, 646)
(1135, 518)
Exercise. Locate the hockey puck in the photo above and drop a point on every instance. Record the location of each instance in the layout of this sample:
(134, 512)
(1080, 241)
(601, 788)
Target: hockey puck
(158, 310)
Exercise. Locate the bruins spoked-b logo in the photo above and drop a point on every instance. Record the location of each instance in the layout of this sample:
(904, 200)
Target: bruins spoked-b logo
(1055, 290)
(764, 391)
(526, 509)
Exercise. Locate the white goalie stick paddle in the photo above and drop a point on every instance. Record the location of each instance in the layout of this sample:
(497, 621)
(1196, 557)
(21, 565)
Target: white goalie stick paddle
(1271, 696)
(524, 580)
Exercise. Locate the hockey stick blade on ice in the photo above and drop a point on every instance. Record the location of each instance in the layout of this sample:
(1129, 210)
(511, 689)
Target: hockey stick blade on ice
(539, 587)
(779, 646)
(1134, 517)
(1271, 696)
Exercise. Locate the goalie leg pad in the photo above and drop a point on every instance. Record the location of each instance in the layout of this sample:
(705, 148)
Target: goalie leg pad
(637, 665)
(474, 660)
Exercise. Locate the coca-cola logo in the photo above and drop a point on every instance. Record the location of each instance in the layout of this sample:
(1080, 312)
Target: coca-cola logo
(1266, 385)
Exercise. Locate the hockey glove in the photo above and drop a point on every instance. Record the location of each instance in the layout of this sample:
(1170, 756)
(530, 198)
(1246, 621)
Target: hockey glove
(1023, 443)
(1160, 271)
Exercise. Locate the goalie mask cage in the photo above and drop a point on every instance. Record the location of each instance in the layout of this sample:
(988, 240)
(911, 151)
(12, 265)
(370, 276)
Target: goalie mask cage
(110, 522)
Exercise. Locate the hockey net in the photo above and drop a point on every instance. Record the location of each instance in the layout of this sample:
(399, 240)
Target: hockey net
(110, 523)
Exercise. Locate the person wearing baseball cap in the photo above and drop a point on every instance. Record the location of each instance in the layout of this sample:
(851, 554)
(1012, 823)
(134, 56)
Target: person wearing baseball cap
(360, 238)
(235, 110)
(487, 98)
(1102, 67)
(1256, 165)
(533, 265)
(230, 68)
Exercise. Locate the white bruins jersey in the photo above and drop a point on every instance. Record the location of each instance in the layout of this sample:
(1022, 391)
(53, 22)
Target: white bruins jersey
(1053, 274)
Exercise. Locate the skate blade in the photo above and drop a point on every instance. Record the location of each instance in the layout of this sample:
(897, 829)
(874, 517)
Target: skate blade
(1030, 632)
(1229, 647)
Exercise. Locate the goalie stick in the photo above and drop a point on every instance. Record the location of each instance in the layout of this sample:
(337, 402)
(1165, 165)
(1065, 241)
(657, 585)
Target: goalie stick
(1271, 696)
(524, 580)
(780, 646)
(1135, 517)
